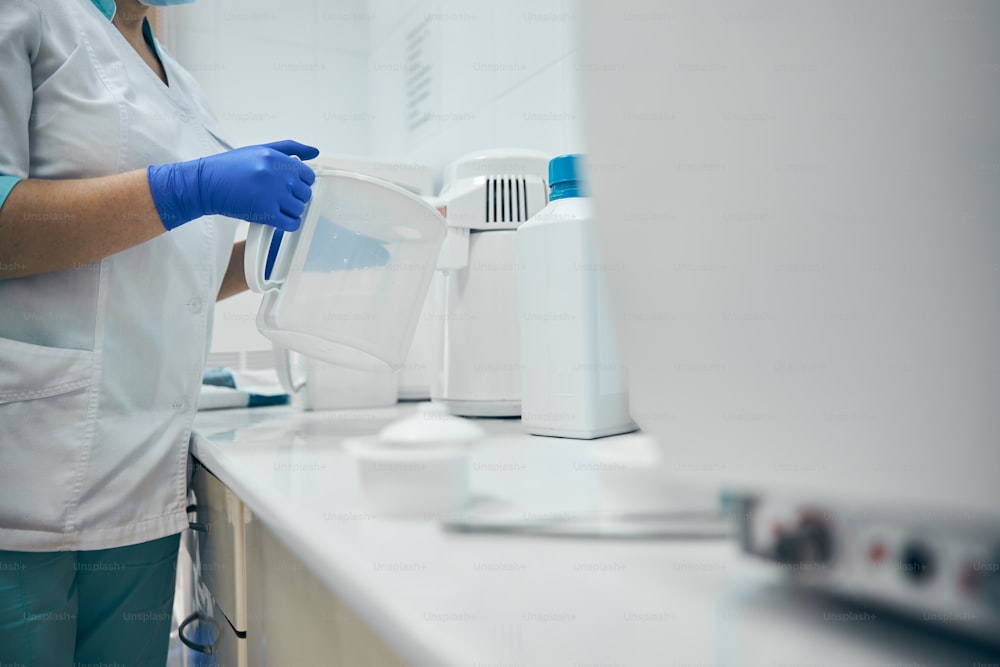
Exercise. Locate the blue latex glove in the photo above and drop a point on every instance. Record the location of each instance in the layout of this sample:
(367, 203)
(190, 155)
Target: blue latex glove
(262, 184)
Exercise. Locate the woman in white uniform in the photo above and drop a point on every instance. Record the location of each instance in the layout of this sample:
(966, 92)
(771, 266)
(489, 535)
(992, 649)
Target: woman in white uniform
(109, 269)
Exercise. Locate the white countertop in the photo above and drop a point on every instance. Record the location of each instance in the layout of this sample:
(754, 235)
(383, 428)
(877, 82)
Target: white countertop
(442, 599)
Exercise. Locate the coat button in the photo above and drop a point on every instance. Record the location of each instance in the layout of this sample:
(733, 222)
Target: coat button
(177, 405)
(195, 305)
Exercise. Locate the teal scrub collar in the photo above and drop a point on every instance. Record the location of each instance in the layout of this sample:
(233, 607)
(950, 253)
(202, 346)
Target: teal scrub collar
(106, 7)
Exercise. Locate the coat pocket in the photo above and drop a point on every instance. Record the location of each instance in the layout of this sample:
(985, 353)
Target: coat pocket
(29, 371)
(45, 424)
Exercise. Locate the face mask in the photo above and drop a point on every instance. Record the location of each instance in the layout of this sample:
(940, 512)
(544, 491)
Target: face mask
(164, 3)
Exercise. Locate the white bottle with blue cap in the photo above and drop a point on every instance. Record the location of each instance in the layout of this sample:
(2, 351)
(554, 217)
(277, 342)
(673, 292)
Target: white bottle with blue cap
(573, 381)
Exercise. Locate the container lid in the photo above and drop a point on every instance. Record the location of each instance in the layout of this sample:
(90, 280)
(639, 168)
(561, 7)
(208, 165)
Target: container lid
(432, 425)
(565, 176)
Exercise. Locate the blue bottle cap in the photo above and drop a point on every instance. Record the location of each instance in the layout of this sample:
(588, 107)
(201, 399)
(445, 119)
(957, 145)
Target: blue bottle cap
(565, 176)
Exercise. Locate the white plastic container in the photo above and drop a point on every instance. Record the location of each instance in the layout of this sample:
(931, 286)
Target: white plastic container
(416, 468)
(634, 479)
(573, 381)
(317, 385)
(415, 376)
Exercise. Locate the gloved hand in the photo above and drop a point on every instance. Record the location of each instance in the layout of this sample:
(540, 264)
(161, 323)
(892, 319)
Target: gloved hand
(260, 184)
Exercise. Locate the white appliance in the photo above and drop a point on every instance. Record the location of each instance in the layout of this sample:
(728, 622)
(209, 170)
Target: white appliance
(802, 208)
(486, 196)
(940, 566)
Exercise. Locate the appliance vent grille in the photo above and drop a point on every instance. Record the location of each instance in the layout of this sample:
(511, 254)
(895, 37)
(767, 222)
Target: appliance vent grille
(506, 199)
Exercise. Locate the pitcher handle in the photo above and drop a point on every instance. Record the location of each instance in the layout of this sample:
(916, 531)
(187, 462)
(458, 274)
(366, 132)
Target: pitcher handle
(259, 239)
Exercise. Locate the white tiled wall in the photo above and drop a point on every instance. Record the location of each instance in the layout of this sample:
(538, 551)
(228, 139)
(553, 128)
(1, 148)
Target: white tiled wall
(276, 70)
(334, 73)
(503, 74)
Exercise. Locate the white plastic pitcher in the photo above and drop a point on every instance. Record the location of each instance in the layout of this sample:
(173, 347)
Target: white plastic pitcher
(347, 287)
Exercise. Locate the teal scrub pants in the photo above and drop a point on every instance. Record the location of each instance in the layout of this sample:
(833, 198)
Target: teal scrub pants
(106, 607)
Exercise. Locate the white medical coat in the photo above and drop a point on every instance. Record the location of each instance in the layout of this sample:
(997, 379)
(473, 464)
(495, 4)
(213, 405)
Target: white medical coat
(100, 365)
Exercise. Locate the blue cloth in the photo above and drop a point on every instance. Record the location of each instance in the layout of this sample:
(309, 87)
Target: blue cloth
(247, 389)
(104, 607)
(7, 184)
(219, 377)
